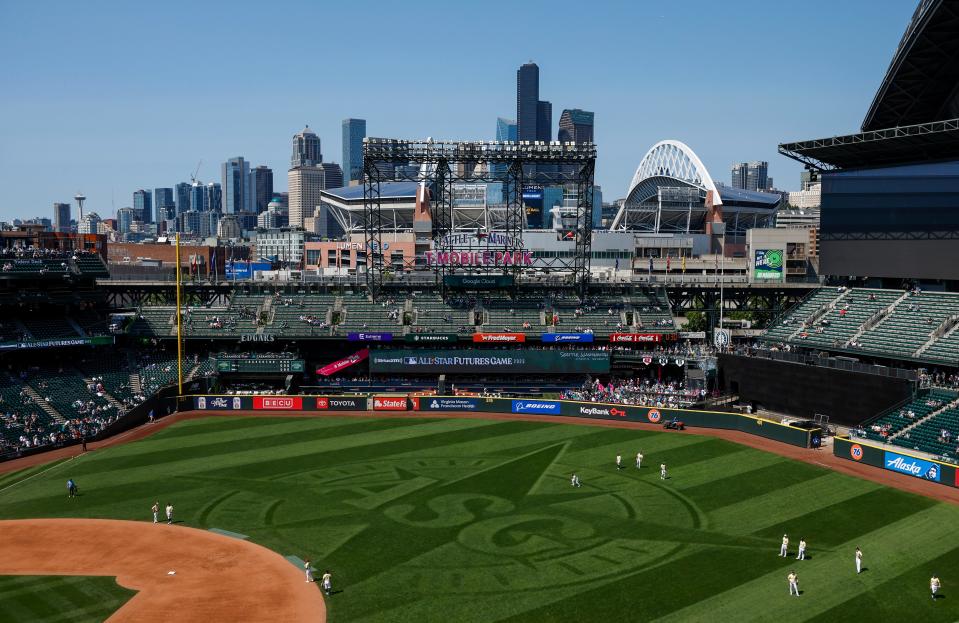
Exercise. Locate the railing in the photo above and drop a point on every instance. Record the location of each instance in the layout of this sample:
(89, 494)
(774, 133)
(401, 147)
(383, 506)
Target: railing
(830, 362)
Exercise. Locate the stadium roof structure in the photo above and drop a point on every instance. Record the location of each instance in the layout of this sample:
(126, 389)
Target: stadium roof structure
(914, 115)
(937, 140)
(922, 82)
(388, 190)
(668, 191)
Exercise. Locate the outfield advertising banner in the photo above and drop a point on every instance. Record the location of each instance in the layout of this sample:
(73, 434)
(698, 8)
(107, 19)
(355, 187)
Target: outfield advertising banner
(560, 338)
(641, 338)
(220, 403)
(912, 466)
(427, 338)
(545, 407)
(346, 403)
(390, 403)
(278, 403)
(480, 361)
(442, 403)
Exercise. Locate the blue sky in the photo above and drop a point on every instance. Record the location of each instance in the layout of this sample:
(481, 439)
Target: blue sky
(108, 97)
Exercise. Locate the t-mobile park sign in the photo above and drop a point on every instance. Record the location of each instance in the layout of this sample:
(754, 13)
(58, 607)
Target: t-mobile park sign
(491, 249)
(479, 258)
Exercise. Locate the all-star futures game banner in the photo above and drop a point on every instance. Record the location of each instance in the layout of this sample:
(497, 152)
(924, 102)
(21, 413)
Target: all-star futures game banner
(408, 361)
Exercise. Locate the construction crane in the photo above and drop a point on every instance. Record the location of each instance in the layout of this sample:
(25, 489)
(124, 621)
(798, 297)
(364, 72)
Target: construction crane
(196, 170)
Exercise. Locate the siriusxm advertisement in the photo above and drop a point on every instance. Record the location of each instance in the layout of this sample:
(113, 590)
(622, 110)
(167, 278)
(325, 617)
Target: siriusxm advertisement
(920, 468)
(536, 406)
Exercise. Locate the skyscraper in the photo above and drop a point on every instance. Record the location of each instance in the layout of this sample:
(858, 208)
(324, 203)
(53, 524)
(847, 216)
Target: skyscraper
(305, 184)
(182, 197)
(198, 197)
(61, 217)
(505, 130)
(751, 175)
(143, 205)
(236, 186)
(575, 126)
(214, 197)
(544, 121)
(354, 131)
(306, 149)
(261, 187)
(527, 101)
(125, 218)
(164, 204)
(333, 175)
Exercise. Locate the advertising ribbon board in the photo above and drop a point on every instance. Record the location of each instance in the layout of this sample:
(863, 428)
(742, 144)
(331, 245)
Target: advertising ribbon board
(376, 336)
(509, 361)
(566, 337)
(498, 338)
(448, 404)
(430, 338)
(346, 362)
(217, 403)
(345, 403)
(642, 338)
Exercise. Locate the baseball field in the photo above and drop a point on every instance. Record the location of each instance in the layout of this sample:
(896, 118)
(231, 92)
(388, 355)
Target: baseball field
(475, 520)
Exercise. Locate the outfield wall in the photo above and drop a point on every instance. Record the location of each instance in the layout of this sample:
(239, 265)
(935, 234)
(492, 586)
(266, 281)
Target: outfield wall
(761, 427)
(896, 460)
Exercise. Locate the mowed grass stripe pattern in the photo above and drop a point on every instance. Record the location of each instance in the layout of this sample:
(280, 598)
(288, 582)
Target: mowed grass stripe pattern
(476, 520)
(59, 599)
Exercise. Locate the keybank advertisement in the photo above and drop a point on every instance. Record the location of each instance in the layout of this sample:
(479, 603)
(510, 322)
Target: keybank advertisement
(927, 470)
(536, 406)
(768, 264)
(481, 361)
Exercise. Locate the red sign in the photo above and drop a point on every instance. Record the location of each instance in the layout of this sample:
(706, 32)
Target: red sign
(636, 337)
(278, 403)
(855, 451)
(498, 338)
(346, 362)
(322, 402)
(389, 403)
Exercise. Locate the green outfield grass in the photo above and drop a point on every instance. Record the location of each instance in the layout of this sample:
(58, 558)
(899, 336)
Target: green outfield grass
(59, 599)
(475, 521)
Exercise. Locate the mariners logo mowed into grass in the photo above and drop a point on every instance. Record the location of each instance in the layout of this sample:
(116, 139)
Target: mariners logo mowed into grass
(475, 521)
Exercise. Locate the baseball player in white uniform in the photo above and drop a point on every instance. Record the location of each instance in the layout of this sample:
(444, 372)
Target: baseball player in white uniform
(156, 512)
(662, 471)
(793, 583)
(639, 460)
(934, 585)
(784, 547)
(575, 481)
(169, 513)
(327, 582)
(309, 570)
(619, 461)
(802, 549)
(858, 560)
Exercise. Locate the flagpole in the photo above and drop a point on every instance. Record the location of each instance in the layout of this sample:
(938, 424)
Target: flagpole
(179, 323)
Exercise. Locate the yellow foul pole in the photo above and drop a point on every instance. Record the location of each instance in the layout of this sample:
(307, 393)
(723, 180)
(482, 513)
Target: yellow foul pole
(179, 324)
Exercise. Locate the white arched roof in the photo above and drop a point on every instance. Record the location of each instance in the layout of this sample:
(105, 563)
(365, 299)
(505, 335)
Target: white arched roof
(676, 160)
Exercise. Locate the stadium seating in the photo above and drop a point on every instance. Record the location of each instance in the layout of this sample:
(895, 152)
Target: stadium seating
(897, 419)
(49, 328)
(945, 349)
(508, 315)
(158, 321)
(926, 436)
(359, 313)
(792, 321)
(90, 265)
(288, 314)
(434, 315)
(904, 332)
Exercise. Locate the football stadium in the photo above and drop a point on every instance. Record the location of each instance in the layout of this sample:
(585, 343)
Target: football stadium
(492, 409)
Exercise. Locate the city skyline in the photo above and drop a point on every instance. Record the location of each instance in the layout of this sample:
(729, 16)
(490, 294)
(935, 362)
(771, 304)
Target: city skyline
(119, 135)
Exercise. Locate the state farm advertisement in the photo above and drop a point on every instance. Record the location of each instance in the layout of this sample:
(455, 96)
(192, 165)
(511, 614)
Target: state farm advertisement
(278, 403)
(389, 403)
(498, 338)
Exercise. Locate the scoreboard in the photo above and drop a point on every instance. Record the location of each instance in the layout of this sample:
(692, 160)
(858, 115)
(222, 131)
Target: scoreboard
(264, 365)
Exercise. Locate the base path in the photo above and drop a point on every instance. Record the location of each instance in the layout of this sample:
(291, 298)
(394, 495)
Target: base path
(217, 578)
